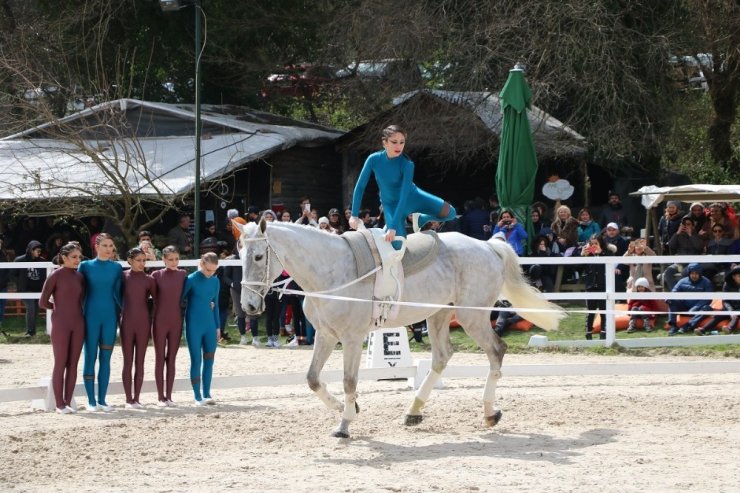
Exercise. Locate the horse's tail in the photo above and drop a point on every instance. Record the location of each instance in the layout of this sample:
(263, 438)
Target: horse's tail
(521, 294)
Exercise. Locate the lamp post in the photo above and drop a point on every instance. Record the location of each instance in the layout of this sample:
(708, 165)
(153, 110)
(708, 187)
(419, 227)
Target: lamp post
(170, 6)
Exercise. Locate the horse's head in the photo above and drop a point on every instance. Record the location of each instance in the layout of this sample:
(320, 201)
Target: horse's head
(259, 266)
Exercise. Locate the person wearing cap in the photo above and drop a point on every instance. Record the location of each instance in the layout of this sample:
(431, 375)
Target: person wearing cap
(394, 174)
(694, 283)
(669, 224)
(648, 319)
(325, 226)
(612, 237)
(731, 285)
(335, 221)
(683, 242)
(253, 214)
(233, 216)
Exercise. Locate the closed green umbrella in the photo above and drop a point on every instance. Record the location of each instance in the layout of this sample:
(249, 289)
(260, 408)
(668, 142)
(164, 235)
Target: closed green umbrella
(517, 159)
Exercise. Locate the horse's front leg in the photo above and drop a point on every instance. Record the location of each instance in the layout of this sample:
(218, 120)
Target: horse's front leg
(352, 354)
(438, 326)
(323, 346)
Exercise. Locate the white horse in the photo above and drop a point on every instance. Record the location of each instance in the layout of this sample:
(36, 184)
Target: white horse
(467, 272)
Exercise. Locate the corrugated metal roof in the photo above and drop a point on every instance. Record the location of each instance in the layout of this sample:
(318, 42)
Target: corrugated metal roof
(49, 168)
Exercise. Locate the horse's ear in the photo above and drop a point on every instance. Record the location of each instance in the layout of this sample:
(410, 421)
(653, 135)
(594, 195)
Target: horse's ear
(263, 225)
(238, 226)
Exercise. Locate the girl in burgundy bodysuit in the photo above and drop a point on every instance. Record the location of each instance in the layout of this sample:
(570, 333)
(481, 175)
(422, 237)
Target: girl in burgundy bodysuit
(167, 322)
(67, 286)
(136, 323)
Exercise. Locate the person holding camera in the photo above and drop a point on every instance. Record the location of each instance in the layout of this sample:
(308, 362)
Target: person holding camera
(595, 280)
(304, 216)
(516, 235)
(683, 242)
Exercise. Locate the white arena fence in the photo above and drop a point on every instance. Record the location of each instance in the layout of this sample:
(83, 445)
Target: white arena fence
(610, 295)
(41, 398)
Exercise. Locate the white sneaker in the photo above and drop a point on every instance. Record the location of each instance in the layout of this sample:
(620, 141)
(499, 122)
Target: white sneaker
(256, 342)
(138, 405)
(276, 342)
(161, 403)
(171, 404)
(209, 401)
(243, 340)
(293, 342)
(129, 406)
(70, 410)
(105, 408)
(415, 222)
(270, 342)
(65, 410)
(91, 408)
(200, 403)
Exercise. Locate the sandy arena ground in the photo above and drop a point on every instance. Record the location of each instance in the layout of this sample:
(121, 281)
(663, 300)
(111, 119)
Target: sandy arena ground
(558, 434)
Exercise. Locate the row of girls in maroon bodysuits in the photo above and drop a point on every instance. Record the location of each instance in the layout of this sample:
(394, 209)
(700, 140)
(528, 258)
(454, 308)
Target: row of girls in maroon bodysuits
(64, 295)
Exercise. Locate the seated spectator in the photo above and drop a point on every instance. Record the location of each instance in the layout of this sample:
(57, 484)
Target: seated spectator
(720, 244)
(270, 216)
(719, 213)
(514, 232)
(543, 276)
(614, 211)
(367, 219)
(731, 285)
(504, 318)
(648, 320)
(701, 221)
(474, 221)
(494, 209)
(694, 283)
(639, 248)
(537, 222)
(325, 226)
(668, 225)
(586, 226)
(565, 229)
(683, 242)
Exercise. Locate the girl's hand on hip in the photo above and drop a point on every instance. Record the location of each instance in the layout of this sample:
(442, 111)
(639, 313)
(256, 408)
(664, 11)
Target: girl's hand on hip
(390, 235)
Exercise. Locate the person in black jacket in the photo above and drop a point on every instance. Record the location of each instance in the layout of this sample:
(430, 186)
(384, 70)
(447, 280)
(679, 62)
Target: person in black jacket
(595, 280)
(31, 280)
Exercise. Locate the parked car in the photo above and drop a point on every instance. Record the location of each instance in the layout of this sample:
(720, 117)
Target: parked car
(396, 71)
(299, 80)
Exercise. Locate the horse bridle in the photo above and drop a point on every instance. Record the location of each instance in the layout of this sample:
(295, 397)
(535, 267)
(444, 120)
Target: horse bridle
(265, 282)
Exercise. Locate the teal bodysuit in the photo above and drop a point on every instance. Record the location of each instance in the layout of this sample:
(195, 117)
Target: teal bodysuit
(101, 309)
(200, 295)
(398, 194)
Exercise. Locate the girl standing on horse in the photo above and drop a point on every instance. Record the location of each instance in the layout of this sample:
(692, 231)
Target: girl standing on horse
(394, 173)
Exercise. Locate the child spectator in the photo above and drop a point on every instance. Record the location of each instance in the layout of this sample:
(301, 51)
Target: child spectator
(642, 285)
(731, 285)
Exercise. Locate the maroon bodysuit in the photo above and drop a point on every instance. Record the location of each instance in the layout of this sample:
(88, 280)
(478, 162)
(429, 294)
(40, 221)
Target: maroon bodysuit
(67, 286)
(167, 326)
(136, 328)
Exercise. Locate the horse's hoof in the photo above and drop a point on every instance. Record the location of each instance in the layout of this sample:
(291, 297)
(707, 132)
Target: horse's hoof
(493, 420)
(413, 419)
(339, 434)
(357, 408)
